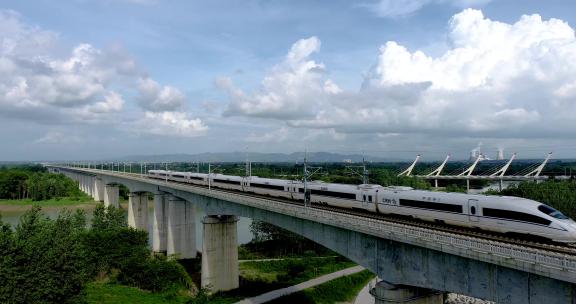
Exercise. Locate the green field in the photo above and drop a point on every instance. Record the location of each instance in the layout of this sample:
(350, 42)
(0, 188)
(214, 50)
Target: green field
(292, 271)
(50, 202)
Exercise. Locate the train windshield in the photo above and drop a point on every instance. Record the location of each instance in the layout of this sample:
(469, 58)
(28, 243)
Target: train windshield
(552, 212)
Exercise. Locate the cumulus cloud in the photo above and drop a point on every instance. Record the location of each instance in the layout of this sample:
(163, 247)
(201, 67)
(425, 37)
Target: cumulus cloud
(171, 124)
(497, 79)
(402, 8)
(82, 87)
(33, 80)
(158, 98)
(294, 88)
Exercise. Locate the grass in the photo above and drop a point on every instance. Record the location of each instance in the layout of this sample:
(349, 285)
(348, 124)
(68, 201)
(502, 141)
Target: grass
(256, 278)
(292, 271)
(52, 202)
(340, 290)
(260, 277)
(109, 293)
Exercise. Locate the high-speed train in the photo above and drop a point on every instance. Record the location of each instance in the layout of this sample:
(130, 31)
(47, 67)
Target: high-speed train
(503, 214)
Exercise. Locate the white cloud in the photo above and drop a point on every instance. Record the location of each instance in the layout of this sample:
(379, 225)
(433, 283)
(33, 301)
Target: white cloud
(171, 124)
(84, 87)
(33, 80)
(158, 98)
(55, 137)
(275, 136)
(294, 88)
(497, 79)
(402, 8)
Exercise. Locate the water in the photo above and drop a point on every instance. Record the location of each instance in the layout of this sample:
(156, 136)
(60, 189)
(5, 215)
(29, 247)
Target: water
(13, 215)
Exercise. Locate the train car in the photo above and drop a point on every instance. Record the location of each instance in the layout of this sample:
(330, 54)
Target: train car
(508, 215)
(159, 174)
(226, 181)
(268, 186)
(198, 178)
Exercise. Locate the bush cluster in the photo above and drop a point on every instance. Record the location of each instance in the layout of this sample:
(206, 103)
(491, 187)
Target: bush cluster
(50, 261)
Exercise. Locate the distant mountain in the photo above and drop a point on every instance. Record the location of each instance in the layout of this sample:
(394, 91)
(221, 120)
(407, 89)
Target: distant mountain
(314, 157)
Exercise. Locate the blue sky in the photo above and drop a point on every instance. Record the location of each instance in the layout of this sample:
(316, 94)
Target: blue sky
(88, 79)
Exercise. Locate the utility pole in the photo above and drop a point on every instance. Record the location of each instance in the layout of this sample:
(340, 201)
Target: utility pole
(166, 175)
(364, 174)
(306, 194)
(209, 177)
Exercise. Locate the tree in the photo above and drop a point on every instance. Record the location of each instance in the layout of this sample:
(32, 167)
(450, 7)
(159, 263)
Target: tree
(42, 260)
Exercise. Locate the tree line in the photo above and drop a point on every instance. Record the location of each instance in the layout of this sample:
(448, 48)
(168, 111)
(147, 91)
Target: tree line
(558, 194)
(51, 261)
(35, 183)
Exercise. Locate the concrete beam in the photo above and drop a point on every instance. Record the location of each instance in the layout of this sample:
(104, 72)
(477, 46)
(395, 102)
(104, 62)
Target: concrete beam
(111, 196)
(138, 210)
(220, 253)
(181, 229)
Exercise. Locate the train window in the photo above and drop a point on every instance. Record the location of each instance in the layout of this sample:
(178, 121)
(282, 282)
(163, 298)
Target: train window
(552, 212)
(369, 198)
(431, 206)
(473, 210)
(515, 215)
(335, 194)
(364, 197)
(267, 186)
(224, 181)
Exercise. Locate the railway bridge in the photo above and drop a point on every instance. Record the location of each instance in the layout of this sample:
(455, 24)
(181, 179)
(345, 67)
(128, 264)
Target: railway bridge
(417, 264)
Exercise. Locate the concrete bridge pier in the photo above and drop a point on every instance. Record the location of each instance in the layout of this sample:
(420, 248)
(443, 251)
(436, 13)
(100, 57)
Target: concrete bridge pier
(220, 253)
(111, 195)
(180, 229)
(98, 189)
(387, 293)
(90, 185)
(138, 210)
(159, 222)
(81, 183)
